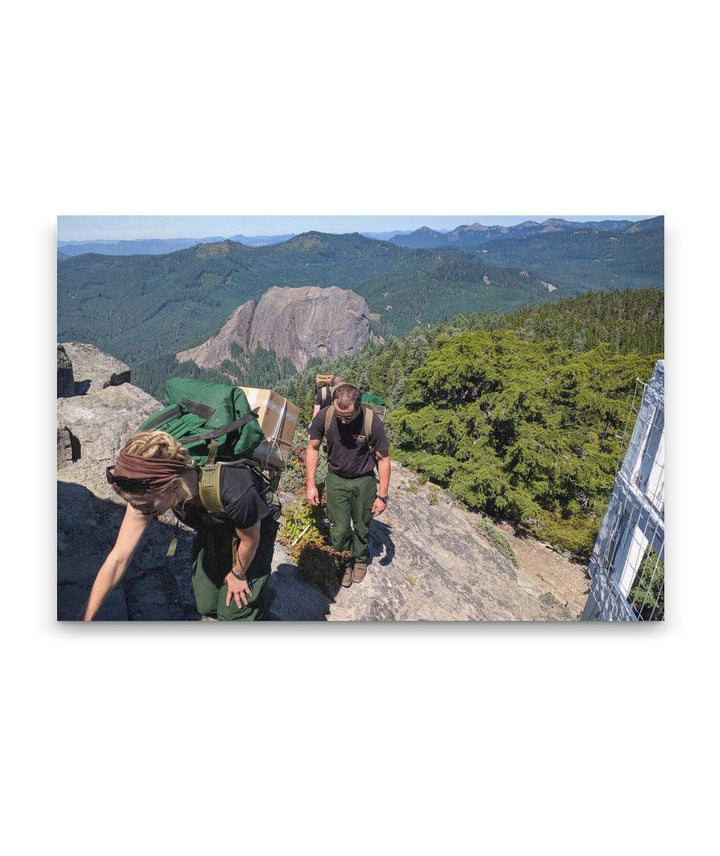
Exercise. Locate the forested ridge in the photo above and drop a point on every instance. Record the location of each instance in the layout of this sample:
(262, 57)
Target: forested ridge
(172, 302)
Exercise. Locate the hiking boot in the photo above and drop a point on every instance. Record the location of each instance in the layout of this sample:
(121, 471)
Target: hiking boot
(358, 572)
(347, 578)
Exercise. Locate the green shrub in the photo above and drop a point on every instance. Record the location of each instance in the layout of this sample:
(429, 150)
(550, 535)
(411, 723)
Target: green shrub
(498, 540)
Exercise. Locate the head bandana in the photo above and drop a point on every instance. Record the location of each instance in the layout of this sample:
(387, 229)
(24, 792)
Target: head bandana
(160, 471)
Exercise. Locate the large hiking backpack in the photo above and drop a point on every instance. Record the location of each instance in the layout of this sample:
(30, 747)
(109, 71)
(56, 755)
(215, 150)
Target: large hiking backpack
(325, 387)
(214, 422)
(199, 413)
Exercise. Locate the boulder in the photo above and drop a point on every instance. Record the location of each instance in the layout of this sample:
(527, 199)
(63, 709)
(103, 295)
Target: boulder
(93, 370)
(97, 426)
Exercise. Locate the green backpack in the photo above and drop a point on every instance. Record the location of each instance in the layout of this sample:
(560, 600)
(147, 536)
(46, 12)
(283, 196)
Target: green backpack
(215, 423)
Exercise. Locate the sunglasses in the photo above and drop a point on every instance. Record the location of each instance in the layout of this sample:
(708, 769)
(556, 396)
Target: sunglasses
(130, 485)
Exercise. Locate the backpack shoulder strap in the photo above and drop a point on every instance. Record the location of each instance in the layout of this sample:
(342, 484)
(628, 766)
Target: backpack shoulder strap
(328, 418)
(367, 425)
(209, 483)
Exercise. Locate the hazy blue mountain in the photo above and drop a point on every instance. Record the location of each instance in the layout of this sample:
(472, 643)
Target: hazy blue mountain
(257, 240)
(140, 246)
(384, 236)
(475, 234)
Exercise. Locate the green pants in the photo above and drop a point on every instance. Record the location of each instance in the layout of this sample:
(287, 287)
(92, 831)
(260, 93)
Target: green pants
(213, 559)
(350, 500)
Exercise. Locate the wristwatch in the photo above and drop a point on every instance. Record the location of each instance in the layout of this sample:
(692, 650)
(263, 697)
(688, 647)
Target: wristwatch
(384, 499)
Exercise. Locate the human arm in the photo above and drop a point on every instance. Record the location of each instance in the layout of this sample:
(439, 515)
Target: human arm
(129, 536)
(316, 410)
(238, 586)
(383, 460)
(311, 462)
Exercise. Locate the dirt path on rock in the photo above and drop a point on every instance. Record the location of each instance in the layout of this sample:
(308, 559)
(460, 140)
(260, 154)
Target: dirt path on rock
(542, 565)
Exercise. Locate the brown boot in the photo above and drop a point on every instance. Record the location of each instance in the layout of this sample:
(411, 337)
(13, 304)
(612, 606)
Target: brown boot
(358, 572)
(347, 578)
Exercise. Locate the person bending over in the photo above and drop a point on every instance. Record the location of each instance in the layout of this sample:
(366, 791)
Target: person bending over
(233, 548)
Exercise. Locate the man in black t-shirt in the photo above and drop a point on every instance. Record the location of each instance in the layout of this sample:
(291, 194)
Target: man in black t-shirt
(352, 496)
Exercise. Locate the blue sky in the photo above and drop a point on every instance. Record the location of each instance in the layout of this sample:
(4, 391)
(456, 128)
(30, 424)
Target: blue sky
(129, 227)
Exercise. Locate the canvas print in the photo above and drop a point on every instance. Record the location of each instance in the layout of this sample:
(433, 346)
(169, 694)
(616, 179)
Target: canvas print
(409, 418)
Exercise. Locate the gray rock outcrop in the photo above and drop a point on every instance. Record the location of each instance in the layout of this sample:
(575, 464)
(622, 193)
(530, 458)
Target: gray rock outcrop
(97, 426)
(92, 369)
(235, 331)
(429, 563)
(303, 323)
(298, 324)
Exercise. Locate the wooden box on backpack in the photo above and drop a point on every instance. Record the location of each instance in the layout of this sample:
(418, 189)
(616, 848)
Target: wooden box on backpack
(278, 419)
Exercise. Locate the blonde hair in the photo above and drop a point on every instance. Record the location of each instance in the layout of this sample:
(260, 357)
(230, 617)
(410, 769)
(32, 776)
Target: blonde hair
(158, 444)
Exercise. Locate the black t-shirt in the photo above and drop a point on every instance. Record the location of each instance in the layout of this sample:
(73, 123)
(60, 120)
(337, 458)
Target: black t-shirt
(242, 504)
(349, 454)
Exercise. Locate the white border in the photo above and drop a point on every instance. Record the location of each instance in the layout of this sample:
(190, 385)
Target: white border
(359, 739)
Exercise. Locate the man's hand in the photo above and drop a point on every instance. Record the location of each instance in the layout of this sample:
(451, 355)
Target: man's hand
(239, 590)
(378, 506)
(313, 497)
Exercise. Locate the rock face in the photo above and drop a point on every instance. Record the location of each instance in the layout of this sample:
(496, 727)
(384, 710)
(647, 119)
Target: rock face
(236, 331)
(97, 426)
(429, 563)
(302, 323)
(296, 323)
(93, 370)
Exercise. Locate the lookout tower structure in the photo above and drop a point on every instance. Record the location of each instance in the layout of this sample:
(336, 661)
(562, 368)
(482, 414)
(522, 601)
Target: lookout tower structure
(627, 564)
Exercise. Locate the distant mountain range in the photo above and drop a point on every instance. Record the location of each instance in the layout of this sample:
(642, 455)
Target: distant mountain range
(476, 234)
(162, 246)
(157, 246)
